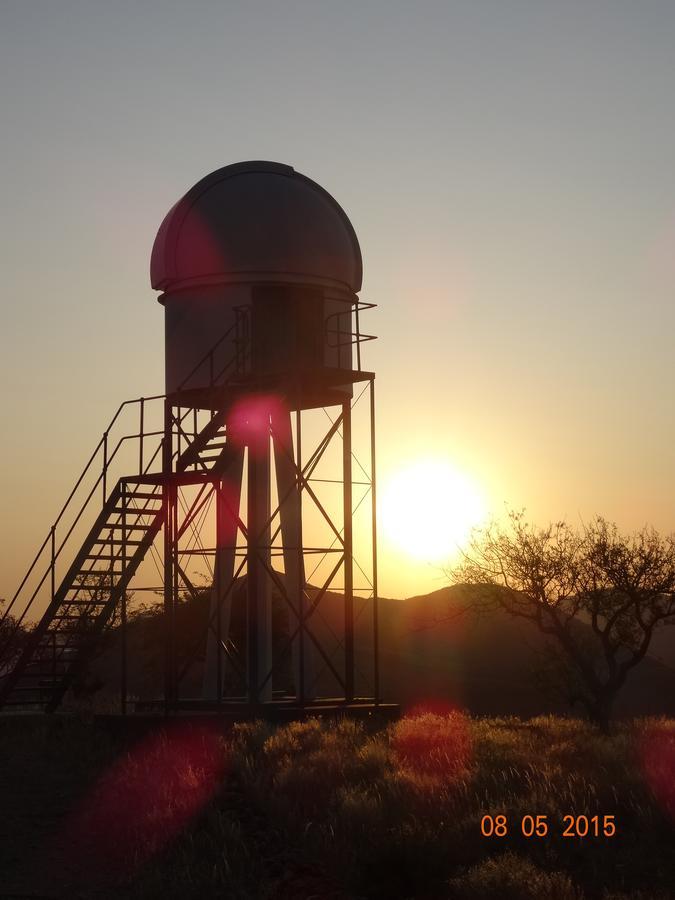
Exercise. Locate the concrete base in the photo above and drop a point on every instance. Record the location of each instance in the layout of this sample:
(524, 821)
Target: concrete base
(271, 711)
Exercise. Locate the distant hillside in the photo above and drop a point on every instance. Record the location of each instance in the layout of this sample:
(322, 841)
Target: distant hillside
(488, 664)
(434, 649)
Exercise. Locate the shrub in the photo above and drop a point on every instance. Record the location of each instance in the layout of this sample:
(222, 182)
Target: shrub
(510, 877)
(431, 744)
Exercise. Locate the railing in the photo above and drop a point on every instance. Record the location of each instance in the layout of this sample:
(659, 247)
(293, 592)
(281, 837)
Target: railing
(109, 449)
(239, 333)
(349, 338)
(94, 477)
(98, 470)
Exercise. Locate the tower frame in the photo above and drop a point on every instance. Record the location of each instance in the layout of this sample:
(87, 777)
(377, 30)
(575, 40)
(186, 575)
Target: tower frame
(248, 536)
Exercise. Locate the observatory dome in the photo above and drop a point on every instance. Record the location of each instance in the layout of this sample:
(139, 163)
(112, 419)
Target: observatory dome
(256, 222)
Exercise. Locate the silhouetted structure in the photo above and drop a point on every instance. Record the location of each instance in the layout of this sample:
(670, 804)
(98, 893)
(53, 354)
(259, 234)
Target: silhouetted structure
(259, 270)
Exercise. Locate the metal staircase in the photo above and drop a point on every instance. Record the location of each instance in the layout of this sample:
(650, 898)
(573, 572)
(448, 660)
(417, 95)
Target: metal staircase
(86, 599)
(39, 662)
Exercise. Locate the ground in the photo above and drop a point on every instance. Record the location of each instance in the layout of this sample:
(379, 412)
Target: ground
(336, 810)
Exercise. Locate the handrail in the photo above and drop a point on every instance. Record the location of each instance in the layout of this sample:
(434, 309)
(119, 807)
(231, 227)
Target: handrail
(108, 459)
(57, 552)
(102, 447)
(207, 357)
(51, 535)
(351, 338)
(241, 330)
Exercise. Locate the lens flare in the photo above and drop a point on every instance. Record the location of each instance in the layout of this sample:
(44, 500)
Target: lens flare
(433, 746)
(143, 801)
(657, 758)
(250, 418)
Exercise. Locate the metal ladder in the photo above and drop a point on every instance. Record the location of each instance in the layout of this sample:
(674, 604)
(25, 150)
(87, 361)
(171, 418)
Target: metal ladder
(37, 666)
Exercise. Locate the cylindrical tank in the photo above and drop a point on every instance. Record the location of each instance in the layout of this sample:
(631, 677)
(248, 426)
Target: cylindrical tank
(259, 269)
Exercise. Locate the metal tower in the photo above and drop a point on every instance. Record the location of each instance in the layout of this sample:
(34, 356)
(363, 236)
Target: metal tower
(255, 470)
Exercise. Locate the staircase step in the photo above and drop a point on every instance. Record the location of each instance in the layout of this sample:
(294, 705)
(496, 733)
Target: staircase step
(94, 607)
(24, 703)
(44, 664)
(113, 556)
(78, 599)
(135, 526)
(23, 689)
(118, 542)
(44, 668)
(36, 682)
(142, 507)
(130, 519)
(58, 632)
(53, 678)
(100, 574)
(80, 592)
(58, 618)
(96, 588)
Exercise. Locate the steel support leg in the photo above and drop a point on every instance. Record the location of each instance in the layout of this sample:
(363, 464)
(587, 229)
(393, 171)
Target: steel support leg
(228, 494)
(259, 599)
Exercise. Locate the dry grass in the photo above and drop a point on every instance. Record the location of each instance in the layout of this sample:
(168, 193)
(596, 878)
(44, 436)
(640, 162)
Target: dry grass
(334, 810)
(398, 813)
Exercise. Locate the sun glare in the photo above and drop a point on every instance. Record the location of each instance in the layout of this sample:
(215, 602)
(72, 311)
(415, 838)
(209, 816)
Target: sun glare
(429, 508)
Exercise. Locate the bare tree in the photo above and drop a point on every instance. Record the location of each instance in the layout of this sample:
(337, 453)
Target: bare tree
(620, 587)
(13, 635)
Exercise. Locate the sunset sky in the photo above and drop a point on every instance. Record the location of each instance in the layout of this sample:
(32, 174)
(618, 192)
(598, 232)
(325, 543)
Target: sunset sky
(508, 168)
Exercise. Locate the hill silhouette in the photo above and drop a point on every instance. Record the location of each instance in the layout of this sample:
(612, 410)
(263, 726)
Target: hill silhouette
(437, 647)
(436, 650)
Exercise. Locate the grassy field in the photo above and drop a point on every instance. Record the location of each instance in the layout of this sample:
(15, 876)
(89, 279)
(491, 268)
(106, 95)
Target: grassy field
(331, 810)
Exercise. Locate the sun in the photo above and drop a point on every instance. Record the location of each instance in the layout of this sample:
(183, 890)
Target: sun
(428, 509)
